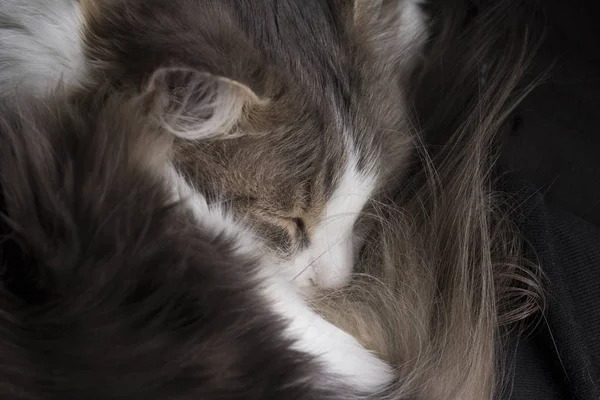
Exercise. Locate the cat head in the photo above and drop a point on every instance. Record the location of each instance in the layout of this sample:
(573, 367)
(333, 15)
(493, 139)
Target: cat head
(290, 114)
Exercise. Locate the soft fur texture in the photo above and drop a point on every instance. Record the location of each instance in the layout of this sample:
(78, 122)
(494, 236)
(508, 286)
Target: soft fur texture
(319, 120)
(441, 277)
(111, 289)
(198, 246)
(39, 45)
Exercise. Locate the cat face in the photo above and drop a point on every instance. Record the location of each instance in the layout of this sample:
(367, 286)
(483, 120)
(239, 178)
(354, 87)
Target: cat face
(304, 99)
(299, 189)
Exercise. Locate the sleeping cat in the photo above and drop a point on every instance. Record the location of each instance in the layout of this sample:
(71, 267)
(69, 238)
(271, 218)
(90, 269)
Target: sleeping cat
(205, 169)
(289, 120)
(114, 288)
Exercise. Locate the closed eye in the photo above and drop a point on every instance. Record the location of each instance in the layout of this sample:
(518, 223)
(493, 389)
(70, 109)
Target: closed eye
(285, 231)
(300, 225)
(301, 232)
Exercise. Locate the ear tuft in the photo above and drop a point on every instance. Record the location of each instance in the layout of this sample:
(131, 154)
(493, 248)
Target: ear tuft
(200, 105)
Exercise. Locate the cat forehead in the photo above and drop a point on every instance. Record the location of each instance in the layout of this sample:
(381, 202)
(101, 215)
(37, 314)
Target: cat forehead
(286, 167)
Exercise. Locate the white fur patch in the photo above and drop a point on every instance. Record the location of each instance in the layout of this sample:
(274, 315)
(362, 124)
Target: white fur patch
(40, 44)
(329, 260)
(412, 31)
(343, 359)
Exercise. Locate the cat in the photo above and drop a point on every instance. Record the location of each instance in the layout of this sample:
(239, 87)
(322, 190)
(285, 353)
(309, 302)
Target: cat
(284, 116)
(312, 175)
(292, 164)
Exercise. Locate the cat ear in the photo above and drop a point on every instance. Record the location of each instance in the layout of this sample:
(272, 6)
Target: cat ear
(199, 105)
(396, 28)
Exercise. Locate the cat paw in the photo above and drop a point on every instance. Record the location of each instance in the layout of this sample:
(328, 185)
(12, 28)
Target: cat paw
(357, 366)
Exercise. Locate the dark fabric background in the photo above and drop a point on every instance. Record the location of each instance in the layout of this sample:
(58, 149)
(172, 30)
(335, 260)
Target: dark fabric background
(560, 357)
(554, 153)
(556, 143)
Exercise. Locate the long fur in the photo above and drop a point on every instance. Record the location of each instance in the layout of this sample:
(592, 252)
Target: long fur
(110, 289)
(39, 45)
(331, 117)
(439, 276)
(443, 271)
